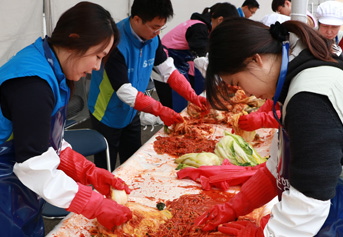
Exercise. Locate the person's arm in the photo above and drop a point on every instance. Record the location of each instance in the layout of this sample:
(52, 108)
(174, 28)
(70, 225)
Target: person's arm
(28, 102)
(116, 70)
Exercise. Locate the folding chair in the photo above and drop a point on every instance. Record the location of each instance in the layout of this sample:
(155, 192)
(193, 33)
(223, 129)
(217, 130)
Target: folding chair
(86, 142)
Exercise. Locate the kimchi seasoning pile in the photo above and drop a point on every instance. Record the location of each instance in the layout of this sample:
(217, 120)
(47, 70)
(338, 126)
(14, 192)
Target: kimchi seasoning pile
(186, 209)
(180, 145)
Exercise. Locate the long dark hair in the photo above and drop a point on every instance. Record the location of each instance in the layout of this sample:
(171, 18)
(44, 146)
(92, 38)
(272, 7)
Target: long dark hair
(236, 39)
(92, 25)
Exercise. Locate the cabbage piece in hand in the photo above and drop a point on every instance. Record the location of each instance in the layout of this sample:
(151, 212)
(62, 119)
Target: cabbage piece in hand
(198, 159)
(119, 196)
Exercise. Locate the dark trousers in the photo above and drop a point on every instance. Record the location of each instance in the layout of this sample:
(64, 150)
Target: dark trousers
(124, 141)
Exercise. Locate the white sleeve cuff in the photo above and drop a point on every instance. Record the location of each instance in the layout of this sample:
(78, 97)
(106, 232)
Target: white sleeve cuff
(127, 93)
(65, 145)
(297, 215)
(165, 69)
(40, 174)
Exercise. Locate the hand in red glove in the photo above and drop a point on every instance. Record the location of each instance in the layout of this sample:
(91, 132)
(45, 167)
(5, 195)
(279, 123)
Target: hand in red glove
(262, 118)
(257, 191)
(181, 85)
(82, 170)
(219, 214)
(241, 229)
(93, 205)
(149, 105)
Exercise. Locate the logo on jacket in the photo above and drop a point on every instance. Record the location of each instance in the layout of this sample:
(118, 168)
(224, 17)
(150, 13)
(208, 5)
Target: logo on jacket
(149, 62)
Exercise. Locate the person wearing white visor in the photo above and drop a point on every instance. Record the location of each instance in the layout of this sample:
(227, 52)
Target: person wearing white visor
(330, 20)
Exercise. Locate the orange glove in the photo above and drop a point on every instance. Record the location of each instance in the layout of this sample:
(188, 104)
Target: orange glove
(82, 170)
(93, 205)
(179, 83)
(149, 105)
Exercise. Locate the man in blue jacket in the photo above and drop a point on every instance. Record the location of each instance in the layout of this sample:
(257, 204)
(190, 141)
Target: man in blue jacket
(117, 90)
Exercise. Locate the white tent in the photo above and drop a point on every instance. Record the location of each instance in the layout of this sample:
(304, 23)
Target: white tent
(21, 22)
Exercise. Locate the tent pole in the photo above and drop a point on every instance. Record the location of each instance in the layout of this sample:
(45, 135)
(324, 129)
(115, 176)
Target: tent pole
(298, 12)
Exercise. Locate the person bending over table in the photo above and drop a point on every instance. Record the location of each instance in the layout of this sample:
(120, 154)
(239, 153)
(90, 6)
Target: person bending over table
(117, 89)
(37, 164)
(305, 172)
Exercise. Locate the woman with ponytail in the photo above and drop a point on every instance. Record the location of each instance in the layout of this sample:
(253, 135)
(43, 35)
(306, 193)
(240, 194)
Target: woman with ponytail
(291, 64)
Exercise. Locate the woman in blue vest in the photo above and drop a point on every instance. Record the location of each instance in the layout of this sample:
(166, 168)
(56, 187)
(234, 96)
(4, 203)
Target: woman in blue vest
(305, 166)
(36, 163)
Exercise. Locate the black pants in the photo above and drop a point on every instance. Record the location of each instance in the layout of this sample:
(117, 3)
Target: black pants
(124, 141)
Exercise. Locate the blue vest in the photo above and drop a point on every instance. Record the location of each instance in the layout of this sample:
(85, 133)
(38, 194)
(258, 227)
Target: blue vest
(20, 207)
(103, 101)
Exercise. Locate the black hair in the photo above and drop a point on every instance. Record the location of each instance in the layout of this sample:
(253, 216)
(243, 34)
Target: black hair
(224, 9)
(147, 10)
(251, 4)
(82, 26)
(277, 3)
(210, 9)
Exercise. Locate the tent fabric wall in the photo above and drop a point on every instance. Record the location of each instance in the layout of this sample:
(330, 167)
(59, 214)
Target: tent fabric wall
(21, 23)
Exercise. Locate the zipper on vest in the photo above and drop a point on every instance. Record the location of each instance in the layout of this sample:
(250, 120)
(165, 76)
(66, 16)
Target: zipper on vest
(140, 53)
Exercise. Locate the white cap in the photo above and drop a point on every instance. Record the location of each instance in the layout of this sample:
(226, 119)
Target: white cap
(330, 13)
(274, 17)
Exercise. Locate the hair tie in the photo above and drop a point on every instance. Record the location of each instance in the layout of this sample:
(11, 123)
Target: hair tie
(279, 32)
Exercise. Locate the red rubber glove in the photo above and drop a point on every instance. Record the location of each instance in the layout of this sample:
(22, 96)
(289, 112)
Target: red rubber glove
(84, 171)
(241, 229)
(180, 84)
(257, 191)
(262, 118)
(149, 105)
(268, 106)
(93, 205)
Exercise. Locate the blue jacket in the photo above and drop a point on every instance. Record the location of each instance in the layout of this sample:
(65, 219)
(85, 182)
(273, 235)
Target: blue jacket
(103, 101)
